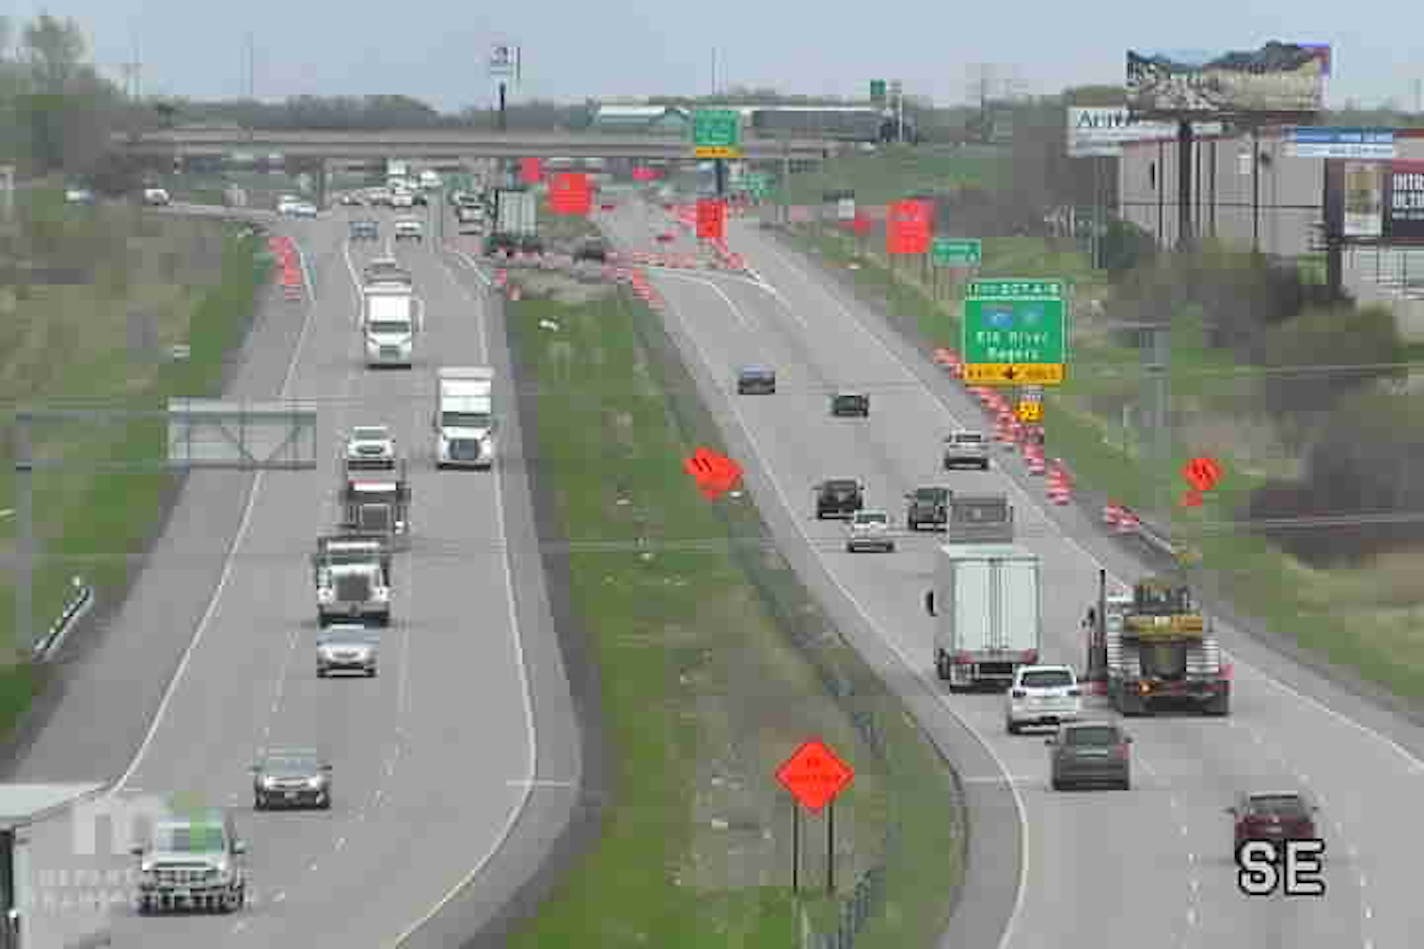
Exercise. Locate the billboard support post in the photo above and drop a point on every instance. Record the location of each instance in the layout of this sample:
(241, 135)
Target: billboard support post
(502, 120)
(1255, 189)
(1332, 179)
(1184, 185)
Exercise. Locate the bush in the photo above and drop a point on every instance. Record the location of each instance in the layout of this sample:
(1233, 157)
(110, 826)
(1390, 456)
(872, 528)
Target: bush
(1126, 247)
(1323, 338)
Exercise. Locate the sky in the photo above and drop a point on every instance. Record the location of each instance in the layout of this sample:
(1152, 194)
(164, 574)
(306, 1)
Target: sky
(437, 50)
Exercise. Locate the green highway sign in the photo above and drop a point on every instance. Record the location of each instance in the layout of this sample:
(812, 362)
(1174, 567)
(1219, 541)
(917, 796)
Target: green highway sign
(954, 252)
(1015, 332)
(877, 90)
(717, 133)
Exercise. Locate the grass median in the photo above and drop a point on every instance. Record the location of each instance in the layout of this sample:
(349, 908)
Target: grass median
(1362, 619)
(103, 344)
(714, 665)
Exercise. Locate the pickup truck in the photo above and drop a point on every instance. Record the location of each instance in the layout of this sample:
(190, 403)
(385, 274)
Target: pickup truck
(927, 506)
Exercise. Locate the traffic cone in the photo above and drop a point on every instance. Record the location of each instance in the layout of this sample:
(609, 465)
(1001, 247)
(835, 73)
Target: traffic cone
(1128, 522)
(1112, 514)
(1034, 459)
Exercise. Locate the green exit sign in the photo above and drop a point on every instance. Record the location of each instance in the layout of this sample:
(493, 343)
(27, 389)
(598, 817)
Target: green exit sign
(717, 133)
(877, 90)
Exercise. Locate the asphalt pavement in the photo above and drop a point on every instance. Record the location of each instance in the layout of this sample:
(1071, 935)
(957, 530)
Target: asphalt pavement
(1103, 869)
(434, 760)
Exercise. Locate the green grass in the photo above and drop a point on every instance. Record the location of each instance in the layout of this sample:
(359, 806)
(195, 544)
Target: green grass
(888, 175)
(699, 661)
(92, 523)
(1365, 619)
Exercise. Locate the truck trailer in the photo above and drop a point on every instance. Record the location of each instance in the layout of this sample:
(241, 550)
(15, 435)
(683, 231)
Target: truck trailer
(987, 609)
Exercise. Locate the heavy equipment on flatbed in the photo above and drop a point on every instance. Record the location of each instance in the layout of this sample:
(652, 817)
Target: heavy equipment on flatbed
(1154, 647)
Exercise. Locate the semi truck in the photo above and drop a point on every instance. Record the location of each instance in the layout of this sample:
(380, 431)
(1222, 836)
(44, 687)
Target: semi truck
(352, 574)
(464, 419)
(987, 609)
(390, 319)
(376, 502)
(1153, 648)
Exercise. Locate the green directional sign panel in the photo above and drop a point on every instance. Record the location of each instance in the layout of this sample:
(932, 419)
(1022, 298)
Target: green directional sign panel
(956, 252)
(877, 90)
(717, 133)
(1015, 332)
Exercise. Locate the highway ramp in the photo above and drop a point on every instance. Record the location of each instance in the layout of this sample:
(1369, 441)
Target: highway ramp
(1099, 868)
(434, 760)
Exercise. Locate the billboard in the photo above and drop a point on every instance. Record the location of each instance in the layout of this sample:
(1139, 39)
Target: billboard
(711, 218)
(1277, 79)
(504, 61)
(1104, 130)
(570, 192)
(1375, 201)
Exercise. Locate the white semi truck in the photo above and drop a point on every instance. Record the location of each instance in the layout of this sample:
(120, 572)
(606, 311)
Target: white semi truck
(390, 320)
(464, 419)
(987, 609)
(352, 573)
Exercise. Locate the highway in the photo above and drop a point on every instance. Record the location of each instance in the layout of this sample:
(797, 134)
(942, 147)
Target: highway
(435, 759)
(1105, 869)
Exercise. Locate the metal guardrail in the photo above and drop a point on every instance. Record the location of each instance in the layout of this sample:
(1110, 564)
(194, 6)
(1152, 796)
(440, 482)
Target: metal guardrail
(79, 603)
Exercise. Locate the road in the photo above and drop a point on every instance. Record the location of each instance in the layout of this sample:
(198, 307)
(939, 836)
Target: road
(435, 759)
(1097, 868)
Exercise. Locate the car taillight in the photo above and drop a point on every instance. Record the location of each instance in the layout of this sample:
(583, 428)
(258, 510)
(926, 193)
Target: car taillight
(1029, 656)
(962, 659)
(1120, 752)
(1020, 694)
(1226, 671)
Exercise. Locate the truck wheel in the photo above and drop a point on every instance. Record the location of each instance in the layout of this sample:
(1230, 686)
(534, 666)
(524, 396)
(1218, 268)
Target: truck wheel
(1013, 727)
(941, 667)
(1221, 705)
(1058, 785)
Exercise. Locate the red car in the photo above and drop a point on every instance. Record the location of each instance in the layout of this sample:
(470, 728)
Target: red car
(667, 237)
(1273, 815)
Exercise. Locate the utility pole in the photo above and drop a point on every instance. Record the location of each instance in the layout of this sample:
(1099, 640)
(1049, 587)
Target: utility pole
(249, 69)
(25, 535)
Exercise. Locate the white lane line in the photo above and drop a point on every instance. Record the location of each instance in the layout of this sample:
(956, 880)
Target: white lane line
(228, 560)
(1415, 763)
(913, 668)
(541, 783)
(521, 664)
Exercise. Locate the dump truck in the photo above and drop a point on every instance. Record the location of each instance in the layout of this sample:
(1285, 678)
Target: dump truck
(1154, 648)
(980, 519)
(464, 419)
(352, 574)
(374, 502)
(987, 608)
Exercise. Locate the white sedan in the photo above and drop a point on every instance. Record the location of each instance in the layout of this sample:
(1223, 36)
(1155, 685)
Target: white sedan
(869, 530)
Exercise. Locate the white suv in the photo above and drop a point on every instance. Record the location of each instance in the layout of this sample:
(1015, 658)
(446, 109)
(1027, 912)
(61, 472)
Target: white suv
(1043, 695)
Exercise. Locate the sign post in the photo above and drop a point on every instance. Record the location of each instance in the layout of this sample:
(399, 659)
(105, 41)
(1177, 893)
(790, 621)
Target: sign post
(815, 776)
(1015, 332)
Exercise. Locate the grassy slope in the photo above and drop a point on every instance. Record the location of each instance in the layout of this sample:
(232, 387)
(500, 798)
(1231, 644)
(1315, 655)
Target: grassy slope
(1365, 619)
(86, 521)
(696, 667)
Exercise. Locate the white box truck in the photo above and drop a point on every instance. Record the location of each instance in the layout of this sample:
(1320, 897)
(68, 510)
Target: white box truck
(464, 417)
(987, 611)
(390, 319)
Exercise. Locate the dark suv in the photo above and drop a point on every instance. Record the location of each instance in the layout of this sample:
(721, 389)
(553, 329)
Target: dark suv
(756, 380)
(927, 506)
(839, 497)
(1091, 753)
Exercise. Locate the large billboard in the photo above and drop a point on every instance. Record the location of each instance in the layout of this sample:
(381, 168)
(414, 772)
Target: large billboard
(1103, 130)
(1279, 79)
(1378, 201)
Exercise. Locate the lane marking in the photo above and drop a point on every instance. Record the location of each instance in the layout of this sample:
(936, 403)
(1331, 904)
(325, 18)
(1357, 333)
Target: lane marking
(1415, 762)
(516, 637)
(229, 559)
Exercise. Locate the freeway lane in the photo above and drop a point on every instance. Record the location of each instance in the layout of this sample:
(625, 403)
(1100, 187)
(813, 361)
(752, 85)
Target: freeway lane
(1102, 868)
(432, 758)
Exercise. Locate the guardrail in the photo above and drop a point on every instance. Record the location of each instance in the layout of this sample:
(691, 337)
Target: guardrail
(79, 603)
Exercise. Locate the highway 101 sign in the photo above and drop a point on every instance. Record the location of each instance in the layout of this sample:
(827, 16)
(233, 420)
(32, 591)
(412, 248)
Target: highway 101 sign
(1015, 332)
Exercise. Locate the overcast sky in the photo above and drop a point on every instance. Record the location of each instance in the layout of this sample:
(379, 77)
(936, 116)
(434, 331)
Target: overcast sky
(436, 50)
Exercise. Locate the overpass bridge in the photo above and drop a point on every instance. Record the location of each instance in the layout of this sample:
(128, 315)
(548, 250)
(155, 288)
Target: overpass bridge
(435, 144)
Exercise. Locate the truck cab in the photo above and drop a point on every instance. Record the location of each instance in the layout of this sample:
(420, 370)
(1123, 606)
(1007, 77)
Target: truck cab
(927, 505)
(192, 859)
(839, 498)
(352, 574)
(390, 323)
(980, 519)
(464, 419)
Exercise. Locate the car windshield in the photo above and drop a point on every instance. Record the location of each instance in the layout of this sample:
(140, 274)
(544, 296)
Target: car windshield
(874, 518)
(1276, 805)
(930, 494)
(369, 433)
(1096, 735)
(968, 438)
(389, 326)
(465, 420)
(290, 763)
(349, 637)
(1046, 679)
(190, 837)
(841, 487)
(849, 399)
